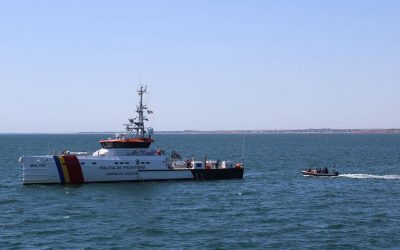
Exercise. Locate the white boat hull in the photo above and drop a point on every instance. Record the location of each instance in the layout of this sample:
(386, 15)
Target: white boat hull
(73, 169)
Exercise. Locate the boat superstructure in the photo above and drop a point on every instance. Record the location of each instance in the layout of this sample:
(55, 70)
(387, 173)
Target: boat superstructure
(127, 157)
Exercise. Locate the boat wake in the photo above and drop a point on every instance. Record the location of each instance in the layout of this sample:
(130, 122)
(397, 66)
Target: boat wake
(371, 176)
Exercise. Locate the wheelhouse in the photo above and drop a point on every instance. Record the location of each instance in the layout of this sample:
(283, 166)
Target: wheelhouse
(126, 143)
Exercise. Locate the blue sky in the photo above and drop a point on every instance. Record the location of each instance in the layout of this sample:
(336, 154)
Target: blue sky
(68, 66)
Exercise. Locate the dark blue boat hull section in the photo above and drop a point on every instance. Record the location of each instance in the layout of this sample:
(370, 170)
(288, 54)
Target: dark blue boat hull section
(217, 174)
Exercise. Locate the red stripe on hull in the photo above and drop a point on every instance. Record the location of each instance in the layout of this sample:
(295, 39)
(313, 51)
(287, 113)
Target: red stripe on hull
(74, 169)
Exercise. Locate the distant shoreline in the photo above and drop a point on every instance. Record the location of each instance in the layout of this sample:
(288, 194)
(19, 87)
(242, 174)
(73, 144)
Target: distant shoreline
(261, 131)
(291, 131)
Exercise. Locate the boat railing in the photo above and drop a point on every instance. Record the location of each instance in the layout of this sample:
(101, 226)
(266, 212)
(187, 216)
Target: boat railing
(77, 153)
(156, 152)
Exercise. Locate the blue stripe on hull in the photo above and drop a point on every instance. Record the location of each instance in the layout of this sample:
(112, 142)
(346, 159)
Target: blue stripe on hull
(60, 172)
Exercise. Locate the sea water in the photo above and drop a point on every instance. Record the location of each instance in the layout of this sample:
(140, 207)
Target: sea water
(274, 206)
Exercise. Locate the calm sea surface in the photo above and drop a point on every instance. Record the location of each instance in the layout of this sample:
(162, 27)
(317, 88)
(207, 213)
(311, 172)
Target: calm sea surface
(274, 206)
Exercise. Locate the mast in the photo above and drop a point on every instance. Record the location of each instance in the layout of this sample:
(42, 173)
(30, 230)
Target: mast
(137, 123)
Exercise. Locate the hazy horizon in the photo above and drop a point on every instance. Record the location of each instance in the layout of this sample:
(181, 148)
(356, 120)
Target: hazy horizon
(75, 66)
(190, 131)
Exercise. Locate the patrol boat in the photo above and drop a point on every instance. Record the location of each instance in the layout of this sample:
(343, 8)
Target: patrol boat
(319, 172)
(127, 157)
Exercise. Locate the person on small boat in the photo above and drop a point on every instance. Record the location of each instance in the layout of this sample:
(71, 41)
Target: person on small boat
(319, 170)
(325, 171)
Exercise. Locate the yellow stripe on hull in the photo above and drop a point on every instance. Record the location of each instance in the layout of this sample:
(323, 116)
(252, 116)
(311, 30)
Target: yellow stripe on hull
(65, 170)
